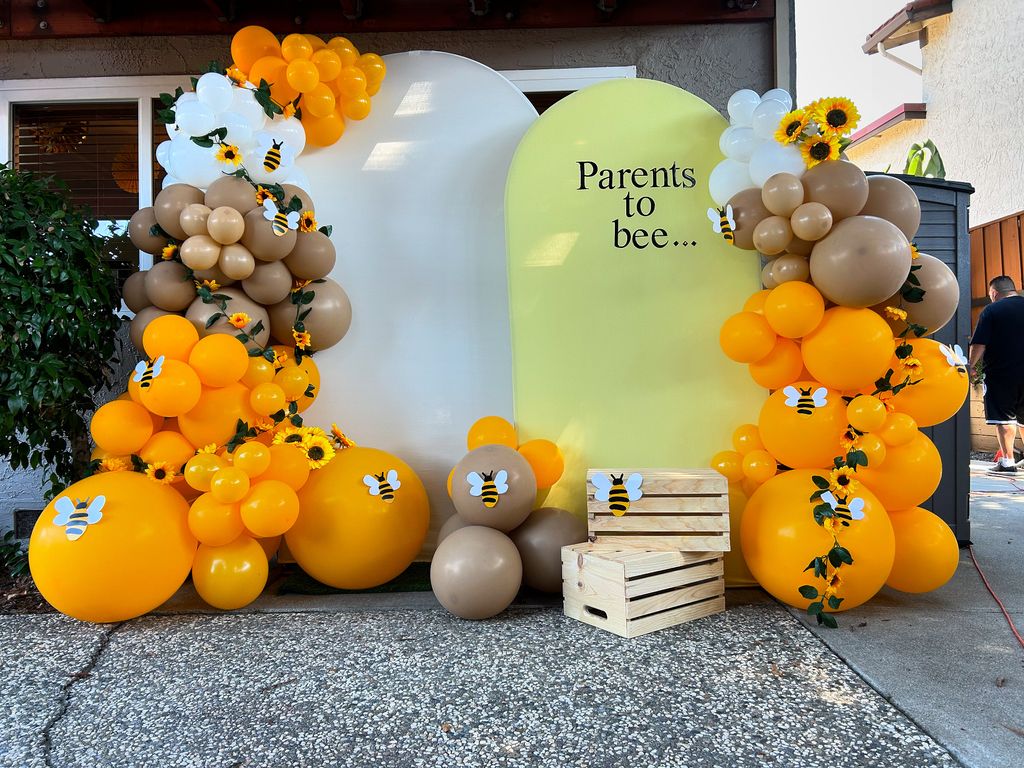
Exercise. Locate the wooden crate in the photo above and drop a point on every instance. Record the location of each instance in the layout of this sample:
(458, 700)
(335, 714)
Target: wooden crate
(631, 591)
(683, 509)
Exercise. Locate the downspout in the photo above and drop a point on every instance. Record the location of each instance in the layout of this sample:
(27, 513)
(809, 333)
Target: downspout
(902, 62)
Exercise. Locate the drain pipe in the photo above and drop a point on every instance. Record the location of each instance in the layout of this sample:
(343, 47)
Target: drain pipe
(902, 62)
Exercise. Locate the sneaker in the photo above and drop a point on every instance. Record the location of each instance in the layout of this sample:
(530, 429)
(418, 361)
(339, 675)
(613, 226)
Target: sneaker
(1000, 469)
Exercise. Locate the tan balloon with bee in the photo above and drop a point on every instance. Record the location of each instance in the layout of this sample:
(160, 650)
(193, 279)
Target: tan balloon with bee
(493, 485)
(260, 237)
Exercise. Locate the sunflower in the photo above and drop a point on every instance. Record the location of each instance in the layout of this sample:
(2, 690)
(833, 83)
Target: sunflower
(791, 126)
(307, 222)
(911, 365)
(302, 338)
(169, 251)
(895, 313)
(161, 471)
(318, 450)
(114, 464)
(280, 359)
(289, 110)
(841, 482)
(236, 75)
(914, 253)
(831, 524)
(819, 148)
(239, 320)
(212, 285)
(835, 116)
(298, 285)
(850, 439)
(343, 440)
(290, 435)
(229, 154)
(263, 194)
(208, 448)
(832, 585)
(886, 398)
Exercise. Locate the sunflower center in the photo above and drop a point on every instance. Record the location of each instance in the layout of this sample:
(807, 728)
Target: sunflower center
(315, 453)
(836, 118)
(793, 128)
(821, 150)
(160, 474)
(293, 439)
(843, 481)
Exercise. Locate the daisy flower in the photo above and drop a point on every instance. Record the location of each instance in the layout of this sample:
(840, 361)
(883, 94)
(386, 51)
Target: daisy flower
(820, 148)
(307, 222)
(318, 450)
(229, 154)
(302, 338)
(835, 116)
(841, 482)
(161, 471)
(169, 251)
(792, 126)
(239, 320)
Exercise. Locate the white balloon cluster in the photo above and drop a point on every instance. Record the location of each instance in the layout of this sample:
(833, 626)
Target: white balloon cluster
(751, 152)
(268, 148)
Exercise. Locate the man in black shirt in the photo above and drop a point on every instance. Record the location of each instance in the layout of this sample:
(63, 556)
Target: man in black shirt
(998, 342)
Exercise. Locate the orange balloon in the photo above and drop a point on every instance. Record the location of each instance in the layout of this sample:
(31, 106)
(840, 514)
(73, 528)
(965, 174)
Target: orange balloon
(172, 392)
(296, 46)
(492, 430)
(351, 82)
(266, 399)
(759, 466)
(730, 464)
(214, 419)
(270, 509)
(201, 468)
(169, 447)
(927, 552)
(941, 386)
(801, 425)
(346, 51)
(121, 427)
(782, 366)
(866, 413)
(229, 485)
(850, 349)
(309, 366)
(259, 371)
(899, 429)
(873, 448)
(451, 475)
(746, 337)
(318, 102)
(252, 458)
(219, 359)
(357, 108)
(372, 86)
(317, 43)
(794, 309)
(302, 75)
(373, 66)
(287, 464)
(545, 459)
(293, 381)
(327, 63)
(323, 131)
(213, 522)
(747, 438)
(231, 576)
(756, 302)
(909, 475)
(273, 69)
(171, 336)
(779, 537)
(252, 43)
(737, 574)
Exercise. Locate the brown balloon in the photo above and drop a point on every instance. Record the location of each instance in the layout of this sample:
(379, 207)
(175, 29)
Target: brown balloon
(213, 273)
(290, 191)
(226, 225)
(269, 283)
(236, 262)
(312, 257)
(790, 267)
(766, 276)
(747, 210)
(139, 226)
(199, 313)
(772, 235)
(511, 507)
(782, 194)
(327, 323)
(941, 297)
(232, 192)
(169, 287)
(800, 247)
(261, 241)
(193, 219)
(170, 203)
(811, 221)
(200, 252)
(862, 261)
(134, 292)
(894, 200)
(839, 185)
(540, 540)
(476, 572)
(142, 318)
(451, 525)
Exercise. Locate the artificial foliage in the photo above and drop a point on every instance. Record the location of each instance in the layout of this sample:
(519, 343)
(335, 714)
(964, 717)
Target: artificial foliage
(58, 298)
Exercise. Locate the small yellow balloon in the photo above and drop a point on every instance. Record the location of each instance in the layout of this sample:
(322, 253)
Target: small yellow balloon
(252, 458)
(219, 360)
(351, 82)
(292, 380)
(927, 553)
(756, 302)
(318, 102)
(201, 468)
(492, 430)
(866, 413)
(873, 448)
(759, 466)
(171, 336)
(746, 337)
(230, 576)
(782, 366)
(229, 485)
(898, 429)
(546, 459)
(327, 63)
(259, 371)
(301, 75)
(266, 399)
(121, 427)
(356, 108)
(296, 46)
(730, 464)
(794, 309)
(270, 509)
(747, 438)
(167, 447)
(287, 464)
(174, 391)
(323, 131)
(213, 522)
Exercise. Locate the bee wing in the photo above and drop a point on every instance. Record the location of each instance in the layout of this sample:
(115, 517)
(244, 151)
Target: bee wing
(293, 219)
(829, 498)
(95, 511)
(476, 483)
(269, 209)
(958, 352)
(393, 479)
(792, 395)
(602, 484)
(158, 366)
(856, 508)
(65, 508)
(729, 216)
(716, 220)
(501, 481)
(371, 482)
(820, 397)
(140, 370)
(633, 483)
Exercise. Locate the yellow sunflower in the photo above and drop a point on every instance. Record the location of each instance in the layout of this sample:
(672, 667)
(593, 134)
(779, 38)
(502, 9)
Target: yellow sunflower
(290, 435)
(831, 524)
(208, 448)
(836, 116)
(318, 450)
(239, 320)
(236, 75)
(842, 482)
(343, 440)
(289, 110)
(169, 251)
(818, 149)
(832, 585)
(229, 154)
(895, 313)
(791, 126)
(914, 253)
(849, 440)
(161, 471)
(886, 398)
(263, 424)
(302, 338)
(263, 194)
(298, 285)
(280, 359)
(911, 365)
(114, 464)
(307, 222)
(213, 285)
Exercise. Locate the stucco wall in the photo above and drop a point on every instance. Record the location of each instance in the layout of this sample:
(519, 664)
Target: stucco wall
(890, 148)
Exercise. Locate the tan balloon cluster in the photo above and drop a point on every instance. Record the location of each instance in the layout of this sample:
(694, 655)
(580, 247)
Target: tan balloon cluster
(223, 241)
(848, 234)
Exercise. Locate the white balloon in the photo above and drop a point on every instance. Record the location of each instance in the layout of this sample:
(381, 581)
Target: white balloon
(299, 179)
(172, 130)
(245, 104)
(728, 178)
(163, 155)
(742, 105)
(771, 158)
(168, 181)
(737, 142)
(186, 98)
(779, 94)
(214, 90)
(239, 132)
(290, 131)
(195, 118)
(193, 164)
(261, 175)
(767, 116)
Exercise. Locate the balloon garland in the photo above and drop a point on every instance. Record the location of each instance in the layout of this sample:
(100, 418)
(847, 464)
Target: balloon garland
(836, 467)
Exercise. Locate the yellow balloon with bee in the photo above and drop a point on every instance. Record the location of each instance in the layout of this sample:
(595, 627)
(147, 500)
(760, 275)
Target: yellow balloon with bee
(801, 424)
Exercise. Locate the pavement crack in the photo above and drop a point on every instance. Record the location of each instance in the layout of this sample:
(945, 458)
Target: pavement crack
(64, 699)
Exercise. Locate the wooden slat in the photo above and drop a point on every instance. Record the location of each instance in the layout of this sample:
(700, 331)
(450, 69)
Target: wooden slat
(637, 627)
(993, 253)
(636, 588)
(635, 562)
(657, 523)
(1009, 243)
(711, 543)
(645, 606)
(668, 482)
(661, 505)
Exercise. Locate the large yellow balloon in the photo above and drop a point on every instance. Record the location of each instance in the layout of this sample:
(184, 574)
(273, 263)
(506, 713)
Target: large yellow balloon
(231, 576)
(850, 348)
(492, 430)
(121, 427)
(926, 551)
(348, 537)
(940, 390)
(219, 359)
(794, 309)
(167, 447)
(909, 475)
(801, 426)
(251, 43)
(128, 562)
(215, 416)
(171, 336)
(779, 538)
(172, 392)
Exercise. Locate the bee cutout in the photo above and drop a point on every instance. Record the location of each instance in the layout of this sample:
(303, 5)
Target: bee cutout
(616, 492)
(804, 400)
(846, 510)
(76, 516)
(723, 223)
(955, 357)
(383, 485)
(146, 371)
(488, 486)
(272, 160)
(280, 221)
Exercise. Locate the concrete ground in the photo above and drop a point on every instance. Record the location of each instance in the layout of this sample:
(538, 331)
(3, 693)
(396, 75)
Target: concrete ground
(393, 680)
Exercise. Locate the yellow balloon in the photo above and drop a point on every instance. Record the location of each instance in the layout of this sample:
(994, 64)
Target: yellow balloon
(348, 538)
(492, 430)
(231, 576)
(898, 429)
(866, 413)
(794, 309)
(941, 387)
(328, 64)
(126, 563)
(802, 428)
(782, 366)
(287, 464)
(171, 336)
(747, 438)
(168, 447)
(215, 416)
(301, 75)
(927, 553)
(251, 43)
(296, 46)
(316, 42)
(759, 466)
(252, 458)
(874, 448)
(319, 102)
(270, 509)
(266, 399)
(174, 391)
(259, 371)
(779, 537)
(229, 485)
(308, 365)
(746, 337)
(737, 574)
(730, 464)
(213, 522)
(850, 348)
(323, 131)
(909, 475)
(201, 468)
(219, 360)
(545, 459)
(121, 427)
(293, 381)
(357, 108)
(756, 302)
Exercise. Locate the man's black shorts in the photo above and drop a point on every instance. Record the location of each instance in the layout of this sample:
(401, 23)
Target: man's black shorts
(1004, 400)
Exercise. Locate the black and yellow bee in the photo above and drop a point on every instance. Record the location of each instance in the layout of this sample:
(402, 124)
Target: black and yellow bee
(146, 371)
(723, 223)
(383, 485)
(804, 400)
(845, 511)
(272, 160)
(488, 486)
(616, 491)
(280, 221)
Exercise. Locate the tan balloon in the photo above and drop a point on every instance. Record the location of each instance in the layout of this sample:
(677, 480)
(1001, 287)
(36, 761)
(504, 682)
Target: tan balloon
(193, 219)
(200, 252)
(236, 262)
(139, 226)
(540, 540)
(290, 191)
(312, 257)
(894, 200)
(839, 185)
(451, 525)
(261, 241)
(226, 225)
(513, 506)
(862, 261)
(213, 273)
(811, 221)
(169, 287)
(327, 323)
(766, 276)
(790, 267)
(476, 572)
(134, 292)
(170, 203)
(269, 283)
(782, 194)
(142, 318)
(199, 313)
(800, 247)
(747, 210)
(232, 192)
(941, 297)
(772, 235)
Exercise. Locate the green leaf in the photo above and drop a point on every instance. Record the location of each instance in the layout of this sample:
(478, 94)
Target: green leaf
(203, 141)
(213, 318)
(834, 602)
(828, 620)
(809, 591)
(821, 482)
(296, 420)
(839, 555)
(856, 458)
(327, 229)
(815, 608)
